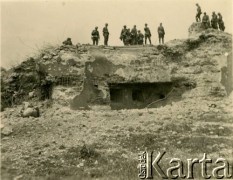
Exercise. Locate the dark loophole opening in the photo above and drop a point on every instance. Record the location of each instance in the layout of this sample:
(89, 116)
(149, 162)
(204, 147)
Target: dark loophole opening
(161, 96)
(137, 95)
(115, 95)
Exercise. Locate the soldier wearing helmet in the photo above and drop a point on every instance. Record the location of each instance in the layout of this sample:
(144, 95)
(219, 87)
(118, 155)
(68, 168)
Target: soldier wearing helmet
(147, 34)
(105, 34)
(95, 36)
(198, 15)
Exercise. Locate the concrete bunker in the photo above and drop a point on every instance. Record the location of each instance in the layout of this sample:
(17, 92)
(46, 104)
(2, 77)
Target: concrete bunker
(138, 95)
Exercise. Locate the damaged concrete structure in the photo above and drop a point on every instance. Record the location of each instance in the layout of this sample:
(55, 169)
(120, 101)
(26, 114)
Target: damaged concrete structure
(141, 76)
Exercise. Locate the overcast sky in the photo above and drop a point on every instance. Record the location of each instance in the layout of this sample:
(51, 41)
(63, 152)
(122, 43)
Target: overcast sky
(27, 26)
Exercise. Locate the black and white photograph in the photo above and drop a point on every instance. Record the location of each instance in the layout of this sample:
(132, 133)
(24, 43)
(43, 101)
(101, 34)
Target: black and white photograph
(116, 89)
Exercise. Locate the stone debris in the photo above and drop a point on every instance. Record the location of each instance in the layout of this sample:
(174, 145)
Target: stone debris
(6, 130)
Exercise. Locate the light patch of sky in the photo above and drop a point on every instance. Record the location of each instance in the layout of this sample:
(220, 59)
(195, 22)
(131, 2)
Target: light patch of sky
(26, 26)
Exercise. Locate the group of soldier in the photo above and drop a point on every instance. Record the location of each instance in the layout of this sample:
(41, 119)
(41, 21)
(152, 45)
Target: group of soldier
(129, 37)
(136, 37)
(216, 21)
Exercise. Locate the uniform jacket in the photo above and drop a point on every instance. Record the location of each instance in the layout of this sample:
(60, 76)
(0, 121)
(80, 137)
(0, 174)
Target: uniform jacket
(161, 30)
(147, 31)
(134, 32)
(95, 34)
(105, 31)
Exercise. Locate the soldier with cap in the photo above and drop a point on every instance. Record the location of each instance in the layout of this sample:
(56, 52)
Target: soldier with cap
(198, 15)
(220, 22)
(123, 35)
(134, 35)
(95, 36)
(67, 42)
(105, 34)
(140, 38)
(161, 34)
(147, 34)
(214, 21)
(205, 21)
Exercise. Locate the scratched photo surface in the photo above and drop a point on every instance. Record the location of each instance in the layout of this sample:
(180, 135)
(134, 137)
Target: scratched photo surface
(116, 89)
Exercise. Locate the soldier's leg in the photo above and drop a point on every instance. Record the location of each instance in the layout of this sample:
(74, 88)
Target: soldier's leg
(97, 41)
(163, 39)
(145, 39)
(107, 41)
(149, 40)
(205, 25)
(135, 41)
(159, 39)
(93, 41)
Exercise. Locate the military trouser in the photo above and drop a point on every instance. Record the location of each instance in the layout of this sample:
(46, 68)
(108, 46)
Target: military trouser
(205, 25)
(214, 25)
(198, 17)
(105, 40)
(95, 41)
(221, 25)
(146, 36)
(134, 40)
(140, 41)
(161, 38)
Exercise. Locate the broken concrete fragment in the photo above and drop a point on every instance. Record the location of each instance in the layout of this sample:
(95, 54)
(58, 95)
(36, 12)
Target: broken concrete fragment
(6, 130)
(31, 94)
(34, 112)
(45, 57)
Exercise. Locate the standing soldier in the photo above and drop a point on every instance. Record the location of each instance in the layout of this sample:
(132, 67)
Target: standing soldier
(105, 34)
(198, 15)
(220, 22)
(123, 34)
(140, 38)
(95, 36)
(214, 21)
(147, 33)
(128, 38)
(134, 35)
(161, 33)
(205, 21)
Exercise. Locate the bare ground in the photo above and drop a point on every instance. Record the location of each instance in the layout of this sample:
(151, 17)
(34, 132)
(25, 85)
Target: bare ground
(104, 144)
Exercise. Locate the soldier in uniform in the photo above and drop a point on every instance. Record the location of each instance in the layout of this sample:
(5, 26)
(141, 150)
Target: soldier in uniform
(220, 22)
(161, 33)
(147, 34)
(128, 38)
(95, 36)
(105, 34)
(214, 21)
(140, 38)
(205, 21)
(198, 15)
(134, 35)
(67, 42)
(123, 34)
